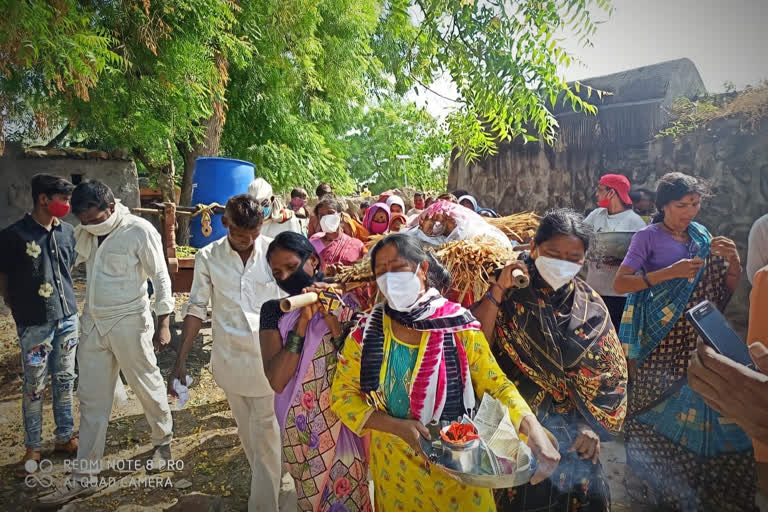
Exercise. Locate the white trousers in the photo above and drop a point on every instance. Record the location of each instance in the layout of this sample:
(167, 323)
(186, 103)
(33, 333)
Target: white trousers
(127, 347)
(260, 434)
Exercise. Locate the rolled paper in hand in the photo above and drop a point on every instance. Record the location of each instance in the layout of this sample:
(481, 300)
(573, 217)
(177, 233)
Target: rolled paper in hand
(520, 278)
(297, 301)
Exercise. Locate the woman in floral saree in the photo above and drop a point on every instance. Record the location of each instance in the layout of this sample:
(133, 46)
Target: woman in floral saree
(299, 350)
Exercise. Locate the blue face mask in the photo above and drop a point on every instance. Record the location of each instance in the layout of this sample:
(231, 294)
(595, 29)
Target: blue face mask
(267, 209)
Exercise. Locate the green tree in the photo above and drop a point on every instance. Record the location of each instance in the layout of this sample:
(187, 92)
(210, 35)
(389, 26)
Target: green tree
(49, 52)
(281, 82)
(504, 59)
(397, 141)
(302, 90)
(181, 53)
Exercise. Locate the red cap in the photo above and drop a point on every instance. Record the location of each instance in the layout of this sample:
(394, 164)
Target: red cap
(618, 183)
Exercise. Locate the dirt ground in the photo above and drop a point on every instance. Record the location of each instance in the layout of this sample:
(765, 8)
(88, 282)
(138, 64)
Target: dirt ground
(213, 474)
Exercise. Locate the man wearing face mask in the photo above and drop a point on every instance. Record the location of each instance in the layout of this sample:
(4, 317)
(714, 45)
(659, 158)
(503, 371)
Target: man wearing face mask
(554, 340)
(37, 254)
(613, 214)
(121, 252)
(232, 274)
(277, 218)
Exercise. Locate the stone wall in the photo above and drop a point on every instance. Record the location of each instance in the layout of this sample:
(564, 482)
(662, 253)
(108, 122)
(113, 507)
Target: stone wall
(18, 167)
(735, 161)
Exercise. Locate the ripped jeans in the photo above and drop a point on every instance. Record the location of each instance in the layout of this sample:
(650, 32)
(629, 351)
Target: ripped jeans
(50, 347)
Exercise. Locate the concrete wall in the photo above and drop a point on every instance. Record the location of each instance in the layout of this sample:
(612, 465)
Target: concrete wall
(16, 171)
(525, 177)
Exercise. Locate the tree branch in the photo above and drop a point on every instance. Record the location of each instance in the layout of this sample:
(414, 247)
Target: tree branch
(141, 157)
(58, 138)
(418, 35)
(432, 90)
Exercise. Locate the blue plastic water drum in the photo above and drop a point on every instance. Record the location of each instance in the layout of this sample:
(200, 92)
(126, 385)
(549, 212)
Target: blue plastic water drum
(215, 181)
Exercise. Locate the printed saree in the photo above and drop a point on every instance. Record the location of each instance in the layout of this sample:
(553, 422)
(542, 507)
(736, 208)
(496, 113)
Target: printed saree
(683, 454)
(401, 479)
(561, 350)
(326, 460)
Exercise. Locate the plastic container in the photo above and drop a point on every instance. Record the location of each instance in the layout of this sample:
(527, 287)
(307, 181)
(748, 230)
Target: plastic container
(215, 181)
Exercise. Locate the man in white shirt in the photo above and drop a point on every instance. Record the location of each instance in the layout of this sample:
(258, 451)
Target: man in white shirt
(757, 247)
(121, 252)
(614, 213)
(234, 276)
(277, 218)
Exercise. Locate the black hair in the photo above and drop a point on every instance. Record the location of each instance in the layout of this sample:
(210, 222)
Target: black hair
(330, 202)
(365, 204)
(49, 185)
(91, 194)
(412, 250)
(674, 186)
(293, 242)
(419, 194)
(244, 211)
(638, 194)
(461, 192)
(563, 221)
(298, 192)
(323, 189)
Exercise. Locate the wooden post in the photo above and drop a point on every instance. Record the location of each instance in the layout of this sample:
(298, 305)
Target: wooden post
(169, 239)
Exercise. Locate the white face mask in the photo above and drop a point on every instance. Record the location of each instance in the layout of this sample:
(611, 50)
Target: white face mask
(557, 273)
(102, 228)
(401, 289)
(330, 223)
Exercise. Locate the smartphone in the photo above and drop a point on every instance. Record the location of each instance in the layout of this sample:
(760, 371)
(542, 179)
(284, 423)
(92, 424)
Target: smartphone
(715, 331)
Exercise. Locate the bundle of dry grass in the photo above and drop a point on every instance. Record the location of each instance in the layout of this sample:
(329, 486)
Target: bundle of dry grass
(373, 240)
(355, 276)
(519, 227)
(472, 262)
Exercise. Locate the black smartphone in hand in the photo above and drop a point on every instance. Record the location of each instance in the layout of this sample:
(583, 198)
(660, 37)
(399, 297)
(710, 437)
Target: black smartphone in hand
(718, 334)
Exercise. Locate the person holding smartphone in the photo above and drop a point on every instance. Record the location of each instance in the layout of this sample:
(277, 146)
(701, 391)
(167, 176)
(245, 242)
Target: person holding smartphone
(676, 444)
(739, 393)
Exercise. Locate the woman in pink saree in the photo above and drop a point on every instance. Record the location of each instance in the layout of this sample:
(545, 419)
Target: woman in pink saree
(333, 245)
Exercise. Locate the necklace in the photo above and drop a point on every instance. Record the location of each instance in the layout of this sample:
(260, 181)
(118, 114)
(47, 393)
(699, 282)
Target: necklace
(680, 236)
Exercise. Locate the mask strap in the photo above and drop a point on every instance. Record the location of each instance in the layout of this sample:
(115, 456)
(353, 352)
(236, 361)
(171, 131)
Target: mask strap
(315, 270)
